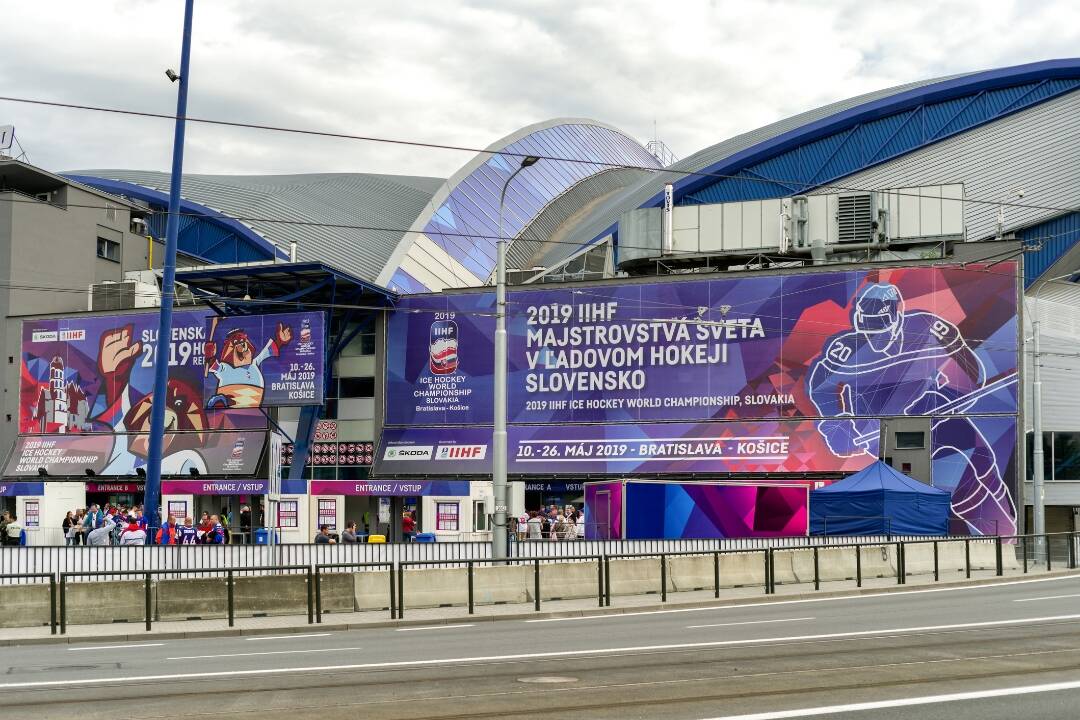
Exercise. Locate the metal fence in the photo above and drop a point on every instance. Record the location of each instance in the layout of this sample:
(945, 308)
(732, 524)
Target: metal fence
(1029, 552)
(87, 560)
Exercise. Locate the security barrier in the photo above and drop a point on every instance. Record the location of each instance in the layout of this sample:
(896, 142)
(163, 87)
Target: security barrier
(196, 592)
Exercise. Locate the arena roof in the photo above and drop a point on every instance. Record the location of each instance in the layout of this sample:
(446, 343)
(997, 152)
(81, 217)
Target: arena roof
(350, 220)
(814, 148)
(417, 234)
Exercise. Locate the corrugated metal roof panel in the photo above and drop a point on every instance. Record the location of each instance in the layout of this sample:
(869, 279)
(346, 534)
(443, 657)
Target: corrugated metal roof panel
(350, 220)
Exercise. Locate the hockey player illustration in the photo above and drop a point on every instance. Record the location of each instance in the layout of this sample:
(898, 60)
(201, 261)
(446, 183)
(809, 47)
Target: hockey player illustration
(240, 382)
(131, 420)
(894, 362)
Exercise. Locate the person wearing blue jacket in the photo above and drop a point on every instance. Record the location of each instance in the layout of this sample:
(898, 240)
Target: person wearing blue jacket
(217, 534)
(186, 534)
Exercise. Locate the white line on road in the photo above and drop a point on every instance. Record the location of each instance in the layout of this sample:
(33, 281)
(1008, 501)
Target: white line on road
(289, 637)
(1048, 597)
(114, 647)
(436, 627)
(268, 652)
(885, 632)
(863, 596)
(907, 702)
(748, 622)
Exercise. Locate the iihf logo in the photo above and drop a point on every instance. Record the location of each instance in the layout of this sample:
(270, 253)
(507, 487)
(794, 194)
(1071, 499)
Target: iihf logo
(443, 347)
(238, 449)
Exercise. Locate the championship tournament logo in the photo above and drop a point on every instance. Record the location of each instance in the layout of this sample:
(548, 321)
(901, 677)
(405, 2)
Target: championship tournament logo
(443, 347)
(238, 449)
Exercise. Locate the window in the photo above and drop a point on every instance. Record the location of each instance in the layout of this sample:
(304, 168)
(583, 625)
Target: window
(178, 509)
(479, 517)
(108, 249)
(328, 513)
(324, 473)
(910, 441)
(1066, 456)
(362, 344)
(32, 510)
(446, 516)
(357, 387)
(288, 514)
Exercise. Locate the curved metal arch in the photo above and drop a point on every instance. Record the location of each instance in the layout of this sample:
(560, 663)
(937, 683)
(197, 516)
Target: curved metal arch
(439, 223)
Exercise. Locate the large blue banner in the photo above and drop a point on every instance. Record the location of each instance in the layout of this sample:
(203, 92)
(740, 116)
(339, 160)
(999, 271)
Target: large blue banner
(902, 341)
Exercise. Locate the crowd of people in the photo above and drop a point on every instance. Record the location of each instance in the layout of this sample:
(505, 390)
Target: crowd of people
(98, 525)
(552, 523)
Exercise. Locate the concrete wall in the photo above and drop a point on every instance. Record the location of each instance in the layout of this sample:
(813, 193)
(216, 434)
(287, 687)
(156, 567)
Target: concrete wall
(24, 605)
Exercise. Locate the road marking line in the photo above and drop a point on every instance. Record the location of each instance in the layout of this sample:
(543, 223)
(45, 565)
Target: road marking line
(289, 637)
(436, 627)
(1048, 597)
(114, 647)
(907, 702)
(864, 596)
(268, 652)
(748, 622)
(525, 656)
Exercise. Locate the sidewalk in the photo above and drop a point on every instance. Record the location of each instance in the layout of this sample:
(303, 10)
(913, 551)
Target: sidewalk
(287, 624)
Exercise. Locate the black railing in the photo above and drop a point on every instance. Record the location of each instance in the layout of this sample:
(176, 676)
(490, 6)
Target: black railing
(147, 576)
(1027, 550)
(52, 591)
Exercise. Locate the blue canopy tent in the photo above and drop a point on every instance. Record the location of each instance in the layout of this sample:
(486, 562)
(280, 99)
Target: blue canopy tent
(879, 500)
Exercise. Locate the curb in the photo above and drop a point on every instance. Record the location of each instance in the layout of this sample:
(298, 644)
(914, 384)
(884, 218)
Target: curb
(514, 617)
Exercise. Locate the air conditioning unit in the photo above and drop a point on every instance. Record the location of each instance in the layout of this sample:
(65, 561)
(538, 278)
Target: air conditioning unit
(127, 295)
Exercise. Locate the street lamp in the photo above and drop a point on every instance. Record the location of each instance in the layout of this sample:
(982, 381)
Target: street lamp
(498, 440)
(1038, 503)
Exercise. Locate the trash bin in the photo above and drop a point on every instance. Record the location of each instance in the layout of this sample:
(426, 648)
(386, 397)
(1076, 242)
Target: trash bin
(424, 537)
(262, 536)
(376, 538)
(22, 537)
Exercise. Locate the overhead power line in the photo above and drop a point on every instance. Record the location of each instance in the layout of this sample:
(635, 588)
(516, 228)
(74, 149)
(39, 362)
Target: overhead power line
(488, 151)
(387, 229)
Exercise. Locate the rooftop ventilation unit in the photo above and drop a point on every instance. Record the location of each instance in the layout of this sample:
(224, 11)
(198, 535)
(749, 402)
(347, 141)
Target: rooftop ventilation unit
(854, 218)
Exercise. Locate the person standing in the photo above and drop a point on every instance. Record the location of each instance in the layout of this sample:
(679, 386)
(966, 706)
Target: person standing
(245, 524)
(68, 527)
(535, 526)
(167, 534)
(133, 534)
(12, 529)
(408, 526)
(205, 526)
(216, 534)
(79, 536)
(187, 534)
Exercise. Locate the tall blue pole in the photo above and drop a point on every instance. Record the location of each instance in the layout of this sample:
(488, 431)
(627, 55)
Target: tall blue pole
(152, 498)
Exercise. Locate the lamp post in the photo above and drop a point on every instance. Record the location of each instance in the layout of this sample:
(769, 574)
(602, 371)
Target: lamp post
(152, 497)
(498, 439)
(1038, 502)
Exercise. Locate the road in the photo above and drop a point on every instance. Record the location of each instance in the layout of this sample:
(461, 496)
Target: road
(1000, 651)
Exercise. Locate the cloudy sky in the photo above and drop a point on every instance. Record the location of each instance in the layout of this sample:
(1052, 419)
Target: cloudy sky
(467, 73)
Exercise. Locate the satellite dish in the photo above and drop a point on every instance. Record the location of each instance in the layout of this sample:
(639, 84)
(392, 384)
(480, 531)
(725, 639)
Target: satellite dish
(7, 136)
